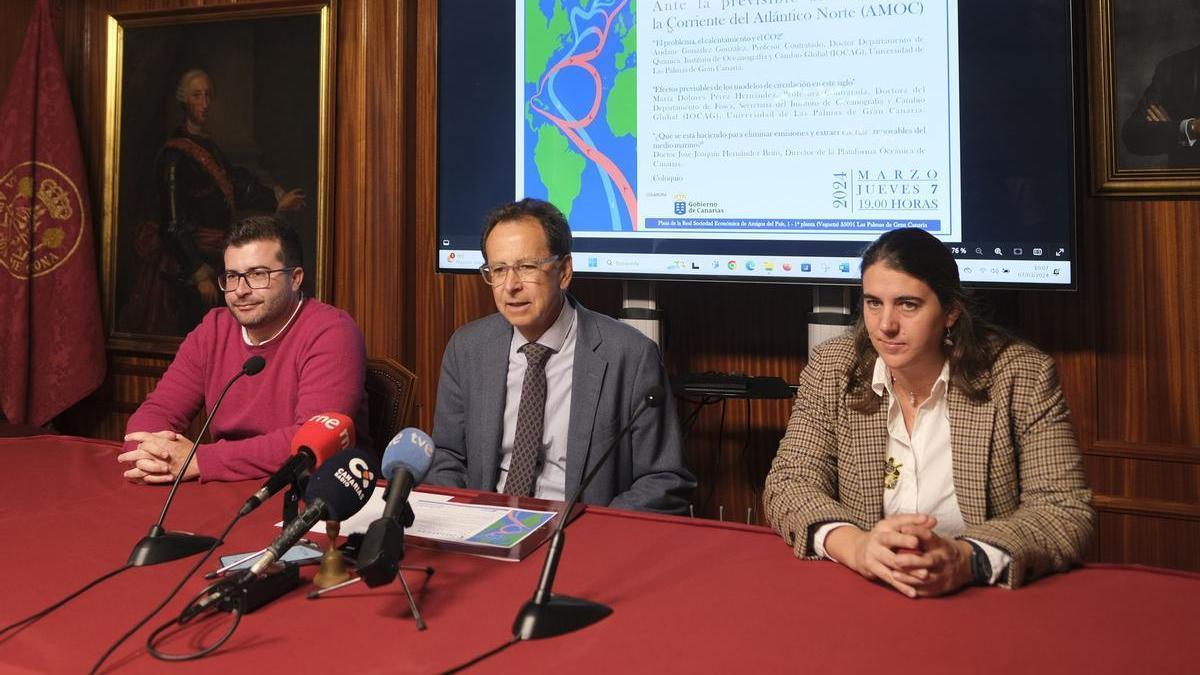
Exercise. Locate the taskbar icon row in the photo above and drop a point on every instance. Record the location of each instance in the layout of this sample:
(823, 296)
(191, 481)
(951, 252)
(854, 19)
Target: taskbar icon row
(828, 269)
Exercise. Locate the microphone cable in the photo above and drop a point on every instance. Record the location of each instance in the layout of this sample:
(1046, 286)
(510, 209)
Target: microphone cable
(486, 655)
(33, 618)
(329, 497)
(185, 618)
(703, 402)
(220, 540)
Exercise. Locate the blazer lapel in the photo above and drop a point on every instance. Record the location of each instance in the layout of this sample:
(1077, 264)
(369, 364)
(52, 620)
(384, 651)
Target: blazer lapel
(493, 392)
(868, 445)
(970, 442)
(587, 379)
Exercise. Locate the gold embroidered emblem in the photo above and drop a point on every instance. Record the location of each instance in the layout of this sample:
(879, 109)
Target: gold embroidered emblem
(891, 474)
(39, 229)
(55, 198)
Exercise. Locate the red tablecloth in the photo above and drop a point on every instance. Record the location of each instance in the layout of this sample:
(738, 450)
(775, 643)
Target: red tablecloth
(687, 596)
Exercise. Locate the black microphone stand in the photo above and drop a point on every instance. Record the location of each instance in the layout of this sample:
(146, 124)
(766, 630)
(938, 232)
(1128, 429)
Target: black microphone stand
(412, 602)
(159, 545)
(546, 614)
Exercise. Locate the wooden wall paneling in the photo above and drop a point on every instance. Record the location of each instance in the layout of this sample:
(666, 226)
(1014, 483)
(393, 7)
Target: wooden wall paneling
(1173, 347)
(1146, 342)
(14, 17)
(1142, 463)
(1134, 478)
(372, 237)
(1148, 540)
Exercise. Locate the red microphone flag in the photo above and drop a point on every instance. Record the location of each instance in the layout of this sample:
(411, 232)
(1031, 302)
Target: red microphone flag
(325, 434)
(51, 335)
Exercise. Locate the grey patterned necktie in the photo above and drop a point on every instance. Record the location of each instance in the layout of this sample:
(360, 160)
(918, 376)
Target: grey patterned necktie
(531, 420)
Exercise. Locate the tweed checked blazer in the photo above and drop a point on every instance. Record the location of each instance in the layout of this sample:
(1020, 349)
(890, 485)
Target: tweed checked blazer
(1018, 474)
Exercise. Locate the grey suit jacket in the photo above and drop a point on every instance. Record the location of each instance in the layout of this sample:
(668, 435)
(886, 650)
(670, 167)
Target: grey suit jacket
(614, 368)
(1018, 473)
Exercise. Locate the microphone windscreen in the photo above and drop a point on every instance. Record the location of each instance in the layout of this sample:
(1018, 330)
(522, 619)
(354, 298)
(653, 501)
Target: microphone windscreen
(254, 365)
(344, 482)
(411, 449)
(325, 435)
(655, 396)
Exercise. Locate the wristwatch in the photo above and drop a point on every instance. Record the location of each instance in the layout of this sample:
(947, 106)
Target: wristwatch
(981, 566)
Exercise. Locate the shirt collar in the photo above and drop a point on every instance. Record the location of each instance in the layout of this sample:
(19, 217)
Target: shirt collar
(556, 335)
(882, 380)
(246, 335)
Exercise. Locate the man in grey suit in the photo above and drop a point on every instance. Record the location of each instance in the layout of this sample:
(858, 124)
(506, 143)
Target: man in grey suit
(525, 411)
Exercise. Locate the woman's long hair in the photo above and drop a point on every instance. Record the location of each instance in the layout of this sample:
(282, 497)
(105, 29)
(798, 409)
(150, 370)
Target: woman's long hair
(974, 341)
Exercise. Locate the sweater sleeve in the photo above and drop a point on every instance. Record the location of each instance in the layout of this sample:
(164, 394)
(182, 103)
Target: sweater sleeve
(330, 372)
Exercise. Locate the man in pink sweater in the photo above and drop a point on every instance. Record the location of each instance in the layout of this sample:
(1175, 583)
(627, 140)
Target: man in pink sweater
(315, 356)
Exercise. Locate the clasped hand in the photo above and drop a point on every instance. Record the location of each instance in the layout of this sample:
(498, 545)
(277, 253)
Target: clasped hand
(904, 552)
(157, 457)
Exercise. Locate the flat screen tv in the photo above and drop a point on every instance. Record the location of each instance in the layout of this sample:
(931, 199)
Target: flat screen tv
(763, 140)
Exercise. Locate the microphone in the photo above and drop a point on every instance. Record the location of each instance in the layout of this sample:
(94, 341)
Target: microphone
(160, 546)
(315, 441)
(546, 614)
(405, 463)
(254, 365)
(338, 489)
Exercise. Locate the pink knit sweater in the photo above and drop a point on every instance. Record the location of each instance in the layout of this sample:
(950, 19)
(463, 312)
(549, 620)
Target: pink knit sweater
(316, 365)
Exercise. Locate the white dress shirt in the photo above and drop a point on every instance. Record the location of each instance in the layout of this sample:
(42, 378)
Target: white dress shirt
(560, 337)
(924, 462)
(1185, 133)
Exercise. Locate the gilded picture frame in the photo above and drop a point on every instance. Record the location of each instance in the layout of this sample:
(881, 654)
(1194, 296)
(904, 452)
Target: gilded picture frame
(211, 114)
(1144, 73)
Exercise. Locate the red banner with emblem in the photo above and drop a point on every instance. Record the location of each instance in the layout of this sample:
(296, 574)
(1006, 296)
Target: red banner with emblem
(51, 335)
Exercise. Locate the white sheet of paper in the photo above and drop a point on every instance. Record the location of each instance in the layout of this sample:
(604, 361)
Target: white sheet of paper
(451, 521)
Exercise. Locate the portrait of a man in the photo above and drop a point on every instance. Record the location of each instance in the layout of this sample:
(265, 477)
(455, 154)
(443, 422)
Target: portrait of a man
(1156, 52)
(203, 143)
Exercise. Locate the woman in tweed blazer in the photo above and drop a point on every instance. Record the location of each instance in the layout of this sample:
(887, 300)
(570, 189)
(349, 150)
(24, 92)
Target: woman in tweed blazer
(922, 371)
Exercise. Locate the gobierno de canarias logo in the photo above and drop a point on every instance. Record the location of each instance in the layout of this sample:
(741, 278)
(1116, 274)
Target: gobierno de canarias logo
(38, 193)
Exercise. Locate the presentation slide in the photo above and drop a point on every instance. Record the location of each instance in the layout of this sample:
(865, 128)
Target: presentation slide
(782, 119)
(763, 140)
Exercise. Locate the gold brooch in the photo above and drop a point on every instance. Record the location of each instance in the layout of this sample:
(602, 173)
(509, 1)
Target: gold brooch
(891, 474)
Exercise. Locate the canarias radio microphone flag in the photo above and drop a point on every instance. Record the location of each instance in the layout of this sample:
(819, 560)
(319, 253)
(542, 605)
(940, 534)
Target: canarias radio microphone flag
(51, 334)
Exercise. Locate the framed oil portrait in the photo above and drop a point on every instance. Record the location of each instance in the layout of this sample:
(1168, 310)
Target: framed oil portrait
(1145, 103)
(212, 115)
